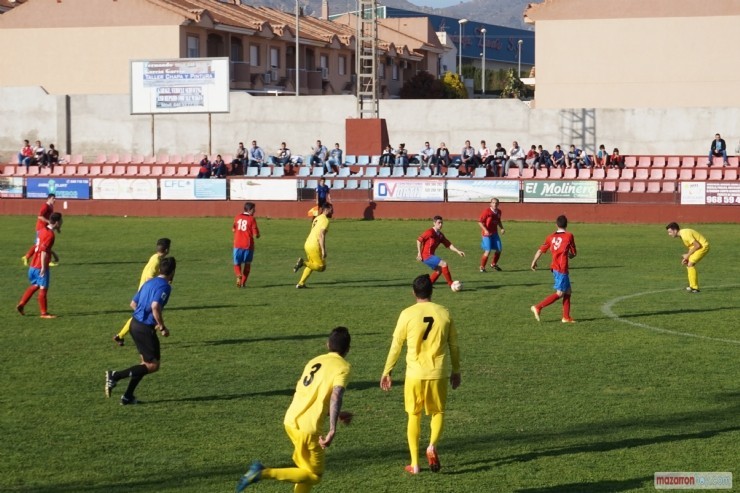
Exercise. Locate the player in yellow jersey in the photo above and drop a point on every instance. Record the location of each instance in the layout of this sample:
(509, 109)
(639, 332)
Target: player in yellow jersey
(315, 246)
(698, 247)
(430, 335)
(151, 270)
(319, 392)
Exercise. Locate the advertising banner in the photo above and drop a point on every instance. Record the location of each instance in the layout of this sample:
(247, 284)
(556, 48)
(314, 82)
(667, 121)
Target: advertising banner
(712, 193)
(576, 191)
(693, 192)
(64, 188)
(482, 190)
(124, 188)
(192, 189)
(416, 190)
(263, 189)
(11, 187)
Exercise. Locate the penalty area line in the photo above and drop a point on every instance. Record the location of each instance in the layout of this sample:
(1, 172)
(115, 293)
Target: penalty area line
(607, 310)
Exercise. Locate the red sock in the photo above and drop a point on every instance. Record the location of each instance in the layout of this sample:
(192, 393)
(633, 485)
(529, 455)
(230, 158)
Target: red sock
(548, 301)
(27, 295)
(496, 256)
(483, 261)
(566, 306)
(42, 301)
(237, 270)
(31, 251)
(446, 273)
(434, 276)
(247, 269)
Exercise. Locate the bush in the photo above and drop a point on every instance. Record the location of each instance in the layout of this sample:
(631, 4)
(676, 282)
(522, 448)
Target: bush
(423, 86)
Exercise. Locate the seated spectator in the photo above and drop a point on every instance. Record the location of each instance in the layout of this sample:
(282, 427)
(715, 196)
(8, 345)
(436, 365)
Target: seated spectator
(543, 158)
(616, 160)
(441, 158)
(572, 156)
(218, 167)
(388, 156)
(558, 157)
(499, 159)
(319, 154)
(531, 158)
(516, 158)
(335, 159)
(255, 156)
(718, 148)
(52, 157)
(584, 161)
(484, 156)
(468, 159)
(283, 158)
(240, 159)
(402, 157)
(39, 154)
(205, 168)
(426, 156)
(25, 156)
(601, 158)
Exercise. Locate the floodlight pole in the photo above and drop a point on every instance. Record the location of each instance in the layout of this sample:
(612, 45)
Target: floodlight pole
(483, 64)
(459, 47)
(297, 65)
(519, 67)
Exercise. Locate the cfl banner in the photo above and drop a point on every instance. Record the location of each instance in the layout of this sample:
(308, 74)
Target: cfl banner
(263, 189)
(63, 188)
(415, 190)
(11, 187)
(482, 190)
(711, 193)
(124, 188)
(192, 189)
(580, 191)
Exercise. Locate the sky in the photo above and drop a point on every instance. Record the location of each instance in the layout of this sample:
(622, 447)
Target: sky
(437, 4)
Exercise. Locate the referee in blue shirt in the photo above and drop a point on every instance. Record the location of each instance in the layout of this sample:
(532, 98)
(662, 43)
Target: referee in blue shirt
(147, 319)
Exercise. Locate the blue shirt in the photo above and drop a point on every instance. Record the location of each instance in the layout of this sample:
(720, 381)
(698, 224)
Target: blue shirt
(156, 289)
(322, 191)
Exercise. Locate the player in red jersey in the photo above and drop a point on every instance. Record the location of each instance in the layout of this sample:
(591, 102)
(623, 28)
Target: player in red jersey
(38, 273)
(562, 245)
(245, 231)
(490, 222)
(427, 243)
(42, 221)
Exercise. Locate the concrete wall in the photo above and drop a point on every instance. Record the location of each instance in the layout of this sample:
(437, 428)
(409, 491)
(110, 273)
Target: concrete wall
(103, 124)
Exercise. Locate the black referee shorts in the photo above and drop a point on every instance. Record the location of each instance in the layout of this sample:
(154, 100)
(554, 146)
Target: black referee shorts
(146, 340)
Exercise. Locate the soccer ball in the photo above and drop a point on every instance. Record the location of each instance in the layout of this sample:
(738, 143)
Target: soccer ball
(456, 286)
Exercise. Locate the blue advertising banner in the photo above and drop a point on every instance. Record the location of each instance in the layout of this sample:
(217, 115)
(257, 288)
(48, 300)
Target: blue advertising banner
(64, 188)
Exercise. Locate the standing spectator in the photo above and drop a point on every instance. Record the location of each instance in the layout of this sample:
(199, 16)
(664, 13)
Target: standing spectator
(543, 158)
(718, 148)
(319, 154)
(240, 159)
(25, 156)
(245, 230)
(335, 159)
(442, 158)
(616, 160)
(148, 305)
(426, 156)
(562, 245)
(39, 154)
(516, 158)
(490, 222)
(315, 246)
(218, 167)
(317, 394)
(698, 246)
(388, 157)
(468, 159)
(484, 155)
(256, 157)
(205, 168)
(38, 273)
(558, 157)
(499, 160)
(402, 157)
(323, 195)
(43, 219)
(531, 158)
(52, 157)
(426, 245)
(429, 334)
(601, 158)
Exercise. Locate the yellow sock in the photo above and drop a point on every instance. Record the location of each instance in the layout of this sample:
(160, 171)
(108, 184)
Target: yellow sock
(693, 277)
(413, 430)
(306, 272)
(437, 427)
(125, 329)
(295, 475)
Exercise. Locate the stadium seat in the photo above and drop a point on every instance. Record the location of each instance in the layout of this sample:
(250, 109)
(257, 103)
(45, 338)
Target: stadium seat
(658, 162)
(481, 172)
(106, 170)
(584, 174)
(569, 173)
(454, 172)
(252, 171)
(337, 185)
(687, 162)
(351, 184)
(363, 160)
(717, 161)
(157, 170)
(715, 174)
(653, 187)
(734, 161)
(137, 159)
(76, 159)
(304, 171)
(656, 174)
(609, 186)
(527, 173)
(668, 187)
(68, 169)
(278, 171)
(193, 170)
(630, 161)
(95, 170)
(8, 170)
(162, 159)
(317, 171)
(46, 171)
(411, 171)
(613, 173)
(143, 170)
(641, 174)
(364, 185)
(731, 174)
(101, 159)
(371, 172)
(344, 172)
(686, 174)
(556, 173)
(598, 174)
(671, 174)
(125, 159)
(265, 171)
(182, 170)
(425, 172)
(375, 160)
(703, 161)
(624, 186)
(397, 172)
(644, 162)
(674, 162)
(170, 171)
(350, 159)
(32, 171)
(132, 169)
(119, 170)
(639, 186)
(384, 172)
(311, 184)
(627, 174)
(701, 174)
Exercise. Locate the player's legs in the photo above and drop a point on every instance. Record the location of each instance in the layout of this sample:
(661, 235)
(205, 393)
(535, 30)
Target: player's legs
(485, 244)
(27, 295)
(691, 267)
(124, 330)
(308, 456)
(249, 254)
(496, 247)
(313, 262)
(553, 297)
(413, 432)
(413, 398)
(238, 256)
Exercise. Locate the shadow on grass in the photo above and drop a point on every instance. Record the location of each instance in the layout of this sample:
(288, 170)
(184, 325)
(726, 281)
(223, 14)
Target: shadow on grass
(109, 262)
(680, 311)
(129, 311)
(227, 397)
(247, 340)
(606, 485)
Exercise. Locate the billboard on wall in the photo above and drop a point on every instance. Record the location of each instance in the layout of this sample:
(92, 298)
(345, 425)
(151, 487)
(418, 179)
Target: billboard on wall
(124, 188)
(11, 187)
(576, 191)
(263, 189)
(180, 85)
(63, 188)
(416, 190)
(712, 193)
(482, 190)
(192, 189)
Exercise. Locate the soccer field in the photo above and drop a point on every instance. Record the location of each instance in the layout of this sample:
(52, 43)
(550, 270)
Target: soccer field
(646, 381)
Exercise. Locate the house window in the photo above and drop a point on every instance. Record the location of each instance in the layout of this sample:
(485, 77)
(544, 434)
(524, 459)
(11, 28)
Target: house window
(237, 53)
(324, 61)
(381, 70)
(342, 66)
(193, 46)
(254, 55)
(274, 57)
(394, 71)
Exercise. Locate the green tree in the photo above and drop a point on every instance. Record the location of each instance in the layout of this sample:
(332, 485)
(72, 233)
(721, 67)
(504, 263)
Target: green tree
(513, 87)
(423, 85)
(454, 87)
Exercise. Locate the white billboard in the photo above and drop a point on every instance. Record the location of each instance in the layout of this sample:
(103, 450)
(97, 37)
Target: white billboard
(192, 189)
(180, 85)
(416, 190)
(124, 188)
(263, 189)
(482, 190)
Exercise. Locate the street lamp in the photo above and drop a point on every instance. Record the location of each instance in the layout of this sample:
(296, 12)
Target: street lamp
(519, 68)
(297, 79)
(459, 47)
(483, 63)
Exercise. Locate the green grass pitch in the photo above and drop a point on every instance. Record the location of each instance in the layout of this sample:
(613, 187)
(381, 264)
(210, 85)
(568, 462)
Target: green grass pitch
(646, 381)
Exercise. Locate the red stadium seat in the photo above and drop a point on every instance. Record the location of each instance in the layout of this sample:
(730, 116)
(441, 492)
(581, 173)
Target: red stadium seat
(643, 162)
(119, 170)
(715, 174)
(137, 159)
(68, 169)
(658, 162)
(125, 159)
(733, 161)
(113, 159)
(527, 173)
(656, 174)
(630, 161)
(107, 170)
(175, 159)
(670, 174)
(131, 170)
(613, 173)
(183, 170)
(598, 174)
(163, 159)
(653, 187)
(76, 159)
(640, 174)
(156, 170)
(668, 187)
(194, 170)
(584, 174)
(169, 171)
(101, 159)
(674, 162)
(687, 162)
(83, 170)
(701, 174)
(639, 186)
(686, 174)
(624, 186)
(731, 174)
(627, 174)
(609, 186)
(570, 173)
(540, 174)
(144, 170)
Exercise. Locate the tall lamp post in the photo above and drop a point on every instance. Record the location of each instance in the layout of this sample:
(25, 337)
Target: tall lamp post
(519, 67)
(297, 79)
(459, 47)
(483, 63)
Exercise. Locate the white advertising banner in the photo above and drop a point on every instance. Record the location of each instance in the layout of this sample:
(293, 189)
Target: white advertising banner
(124, 188)
(263, 189)
(482, 190)
(693, 192)
(416, 190)
(184, 85)
(192, 189)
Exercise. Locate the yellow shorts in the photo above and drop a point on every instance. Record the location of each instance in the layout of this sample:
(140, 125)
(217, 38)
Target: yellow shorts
(698, 255)
(307, 453)
(432, 394)
(313, 258)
